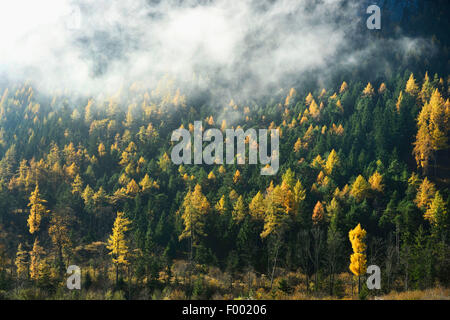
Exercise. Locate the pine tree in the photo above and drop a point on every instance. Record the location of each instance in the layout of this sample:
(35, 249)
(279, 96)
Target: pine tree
(427, 89)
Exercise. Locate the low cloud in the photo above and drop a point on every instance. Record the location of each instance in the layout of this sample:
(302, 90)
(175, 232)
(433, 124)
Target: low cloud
(239, 48)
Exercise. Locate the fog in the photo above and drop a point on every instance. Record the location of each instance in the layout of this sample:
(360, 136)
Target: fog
(241, 48)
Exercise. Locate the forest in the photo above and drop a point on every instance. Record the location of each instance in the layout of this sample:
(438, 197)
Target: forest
(363, 180)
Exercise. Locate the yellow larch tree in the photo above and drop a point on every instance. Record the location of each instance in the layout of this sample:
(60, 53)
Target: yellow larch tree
(257, 207)
(437, 210)
(344, 87)
(359, 189)
(238, 212)
(332, 162)
(21, 263)
(358, 261)
(117, 244)
(101, 150)
(194, 208)
(425, 194)
(318, 213)
(368, 90)
(77, 185)
(132, 188)
(37, 209)
(376, 182)
(398, 105)
(237, 176)
(220, 205)
(411, 86)
(35, 260)
(59, 234)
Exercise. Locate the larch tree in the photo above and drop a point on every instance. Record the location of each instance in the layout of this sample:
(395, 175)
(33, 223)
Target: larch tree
(358, 260)
(59, 234)
(318, 213)
(220, 205)
(433, 129)
(117, 244)
(37, 209)
(369, 90)
(239, 210)
(77, 185)
(376, 182)
(344, 87)
(35, 260)
(359, 189)
(332, 162)
(437, 210)
(257, 207)
(425, 194)
(411, 86)
(21, 263)
(275, 221)
(194, 209)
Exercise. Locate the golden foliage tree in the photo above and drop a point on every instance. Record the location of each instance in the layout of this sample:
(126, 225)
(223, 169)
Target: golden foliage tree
(21, 262)
(344, 87)
(237, 176)
(433, 128)
(425, 194)
(332, 162)
(220, 205)
(132, 188)
(238, 212)
(194, 209)
(77, 185)
(35, 260)
(376, 182)
(436, 210)
(411, 86)
(358, 261)
(359, 189)
(318, 213)
(368, 90)
(117, 244)
(257, 207)
(37, 209)
(59, 234)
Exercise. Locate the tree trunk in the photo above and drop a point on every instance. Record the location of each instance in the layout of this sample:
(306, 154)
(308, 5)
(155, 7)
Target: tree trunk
(117, 274)
(274, 266)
